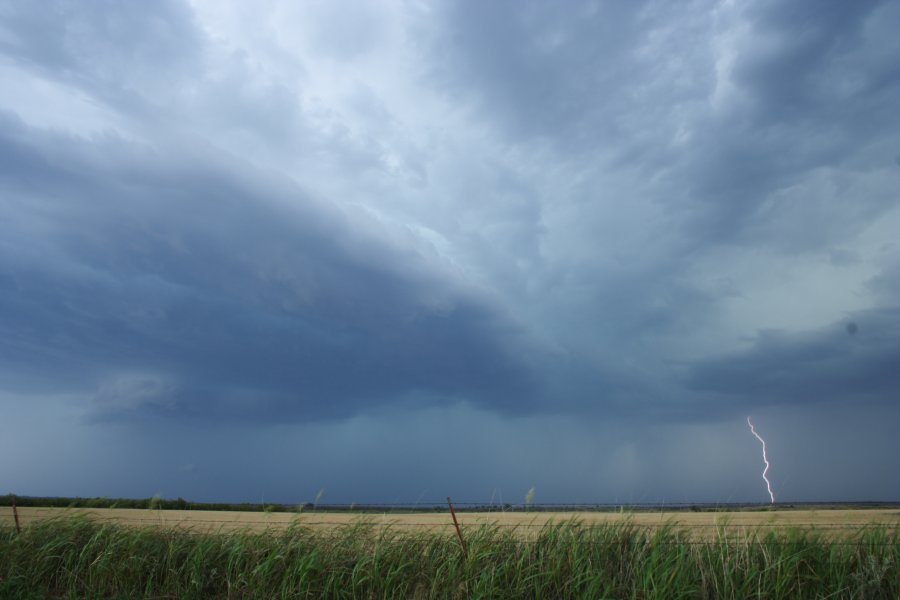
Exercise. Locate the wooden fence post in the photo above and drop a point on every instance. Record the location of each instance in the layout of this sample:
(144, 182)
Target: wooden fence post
(462, 542)
(16, 515)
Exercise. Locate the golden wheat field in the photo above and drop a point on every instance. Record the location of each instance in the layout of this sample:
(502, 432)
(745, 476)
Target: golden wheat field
(699, 524)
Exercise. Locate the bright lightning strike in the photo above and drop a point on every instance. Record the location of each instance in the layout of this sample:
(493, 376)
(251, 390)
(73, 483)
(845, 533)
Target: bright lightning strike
(765, 460)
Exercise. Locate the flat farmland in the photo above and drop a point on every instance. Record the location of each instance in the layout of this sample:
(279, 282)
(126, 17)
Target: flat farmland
(139, 553)
(703, 525)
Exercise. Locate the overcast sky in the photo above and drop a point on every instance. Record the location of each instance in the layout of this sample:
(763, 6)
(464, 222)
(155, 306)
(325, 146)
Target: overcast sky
(402, 250)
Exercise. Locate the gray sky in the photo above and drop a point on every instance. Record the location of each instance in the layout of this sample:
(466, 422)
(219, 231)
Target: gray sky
(404, 250)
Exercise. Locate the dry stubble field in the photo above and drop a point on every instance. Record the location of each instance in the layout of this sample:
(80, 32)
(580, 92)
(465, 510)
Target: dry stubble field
(704, 525)
(156, 554)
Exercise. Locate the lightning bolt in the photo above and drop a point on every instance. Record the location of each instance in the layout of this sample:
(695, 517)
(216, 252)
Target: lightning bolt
(765, 460)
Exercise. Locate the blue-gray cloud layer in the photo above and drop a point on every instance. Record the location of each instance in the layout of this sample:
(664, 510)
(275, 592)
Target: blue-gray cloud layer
(853, 362)
(189, 291)
(649, 218)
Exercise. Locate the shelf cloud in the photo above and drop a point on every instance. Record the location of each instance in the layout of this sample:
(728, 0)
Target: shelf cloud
(562, 244)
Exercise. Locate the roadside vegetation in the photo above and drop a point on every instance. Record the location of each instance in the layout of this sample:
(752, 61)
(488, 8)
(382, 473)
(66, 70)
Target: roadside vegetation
(76, 557)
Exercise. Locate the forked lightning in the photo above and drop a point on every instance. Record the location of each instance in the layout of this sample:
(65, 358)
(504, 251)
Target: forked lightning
(765, 460)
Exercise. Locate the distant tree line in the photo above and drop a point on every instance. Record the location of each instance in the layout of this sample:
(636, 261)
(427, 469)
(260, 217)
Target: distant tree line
(156, 503)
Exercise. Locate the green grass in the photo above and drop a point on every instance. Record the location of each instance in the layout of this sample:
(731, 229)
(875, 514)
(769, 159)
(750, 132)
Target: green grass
(79, 558)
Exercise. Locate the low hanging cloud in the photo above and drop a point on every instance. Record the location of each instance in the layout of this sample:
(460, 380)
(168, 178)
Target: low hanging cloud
(233, 295)
(852, 361)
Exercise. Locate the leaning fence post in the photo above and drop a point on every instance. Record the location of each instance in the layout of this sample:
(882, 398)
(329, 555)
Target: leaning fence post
(462, 542)
(16, 515)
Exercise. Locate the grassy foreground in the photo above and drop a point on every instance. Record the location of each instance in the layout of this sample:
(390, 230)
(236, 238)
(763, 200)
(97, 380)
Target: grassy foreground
(79, 558)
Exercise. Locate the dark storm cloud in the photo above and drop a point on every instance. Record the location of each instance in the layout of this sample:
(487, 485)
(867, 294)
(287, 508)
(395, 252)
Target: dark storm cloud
(853, 361)
(615, 82)
(98, 46)
(801, 58)
(583, 239)
(886, 284)
(573, 77)
(183, 288)
(759, 128)
(805, 90)
(812, 89)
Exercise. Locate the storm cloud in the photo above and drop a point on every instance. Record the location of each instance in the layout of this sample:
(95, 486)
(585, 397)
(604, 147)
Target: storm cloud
(255, 300)
(516, 244)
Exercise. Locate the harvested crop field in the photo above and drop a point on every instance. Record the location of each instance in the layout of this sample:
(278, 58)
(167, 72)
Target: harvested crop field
(704, 525)
(128, 553)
